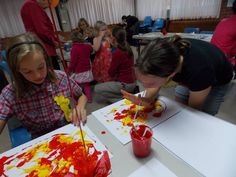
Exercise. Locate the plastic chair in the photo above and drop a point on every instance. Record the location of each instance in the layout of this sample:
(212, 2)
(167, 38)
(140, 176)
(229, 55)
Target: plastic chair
(146, 22)
(4, 67)
(18, 134)
(4, 55)
(191, 30)
(3, 63)
(158, 25)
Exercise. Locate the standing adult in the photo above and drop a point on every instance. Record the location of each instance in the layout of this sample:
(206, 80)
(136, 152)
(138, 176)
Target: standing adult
(224, 36)
(36, 20)
(132, 27)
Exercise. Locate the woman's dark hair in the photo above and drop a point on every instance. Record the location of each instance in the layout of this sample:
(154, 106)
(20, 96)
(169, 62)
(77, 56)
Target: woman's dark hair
(124, 17)
(161, 57)
(120, 34)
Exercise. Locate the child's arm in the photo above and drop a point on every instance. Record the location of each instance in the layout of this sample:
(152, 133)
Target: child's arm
(97, 43)
(98, 40)
(2, 125)
(82, 115)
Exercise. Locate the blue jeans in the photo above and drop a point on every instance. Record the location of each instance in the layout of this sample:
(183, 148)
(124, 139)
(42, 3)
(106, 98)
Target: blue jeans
(213, 100)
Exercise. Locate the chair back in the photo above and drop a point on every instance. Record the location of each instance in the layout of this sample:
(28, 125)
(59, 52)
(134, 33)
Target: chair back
(18, 134)
(4, 55)
(3, 63)
(159, 23)
(191, 30)
(4, 67)
(147, 21)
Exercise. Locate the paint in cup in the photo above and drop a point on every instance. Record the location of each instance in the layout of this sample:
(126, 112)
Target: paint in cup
(141, 137)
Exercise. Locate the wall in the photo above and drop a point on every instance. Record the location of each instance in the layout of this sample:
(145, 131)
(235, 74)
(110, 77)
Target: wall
(225, 11)
(203, 24)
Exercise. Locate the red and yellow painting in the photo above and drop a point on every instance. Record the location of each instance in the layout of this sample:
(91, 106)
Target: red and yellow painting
(59, 155)
(120, 117)
(128, 117)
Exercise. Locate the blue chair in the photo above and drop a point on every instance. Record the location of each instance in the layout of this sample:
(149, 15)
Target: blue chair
(4, 67)
(146, 22)
(3, 63)
(191, 30)
(4, 55)
(158, 25)
(18, 134)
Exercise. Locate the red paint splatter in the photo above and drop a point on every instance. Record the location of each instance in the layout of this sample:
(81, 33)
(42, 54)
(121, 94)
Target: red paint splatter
(103, 132)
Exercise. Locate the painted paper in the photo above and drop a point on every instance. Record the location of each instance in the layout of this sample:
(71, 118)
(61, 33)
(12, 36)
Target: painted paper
(59, 153)
(118, 118)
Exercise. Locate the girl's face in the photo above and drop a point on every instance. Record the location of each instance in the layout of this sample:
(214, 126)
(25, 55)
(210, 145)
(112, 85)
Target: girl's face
(151, 81)
(33, 67)
(83, 25)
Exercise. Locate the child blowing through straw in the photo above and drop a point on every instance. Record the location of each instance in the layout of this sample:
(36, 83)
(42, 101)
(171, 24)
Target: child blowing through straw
(35, 85)
(80, 64)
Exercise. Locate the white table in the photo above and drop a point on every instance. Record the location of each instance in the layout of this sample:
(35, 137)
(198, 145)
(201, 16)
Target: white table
(154, 35)
(191, 143)
(124, 162)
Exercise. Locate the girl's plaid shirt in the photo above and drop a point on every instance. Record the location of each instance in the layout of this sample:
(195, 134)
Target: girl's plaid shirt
(36, 109)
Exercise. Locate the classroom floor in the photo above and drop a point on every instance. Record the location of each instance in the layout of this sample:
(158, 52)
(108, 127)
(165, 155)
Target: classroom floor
(226, 111)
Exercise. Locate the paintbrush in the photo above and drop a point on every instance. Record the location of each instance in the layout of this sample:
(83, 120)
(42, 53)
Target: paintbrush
(136, 113)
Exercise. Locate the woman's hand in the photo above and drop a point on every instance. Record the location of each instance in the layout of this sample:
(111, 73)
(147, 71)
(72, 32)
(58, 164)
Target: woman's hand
(138, 100)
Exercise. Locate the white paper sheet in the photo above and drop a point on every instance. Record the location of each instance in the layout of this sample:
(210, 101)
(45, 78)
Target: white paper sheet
(121, 132)
(206, 143)
(153, 168)
(39, 149)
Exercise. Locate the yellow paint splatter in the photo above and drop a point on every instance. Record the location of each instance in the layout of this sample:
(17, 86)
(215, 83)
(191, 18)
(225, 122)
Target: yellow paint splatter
(64, 105)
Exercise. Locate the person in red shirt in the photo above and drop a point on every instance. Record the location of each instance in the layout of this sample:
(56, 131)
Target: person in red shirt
(224, 36)
(36, 20)
(80, 65)
(121, 69)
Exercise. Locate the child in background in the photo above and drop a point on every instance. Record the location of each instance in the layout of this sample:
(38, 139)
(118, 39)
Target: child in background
(101, 44)
(80, 65)
(121, 69)
(31, 95)
(82, 25)
(89, 35)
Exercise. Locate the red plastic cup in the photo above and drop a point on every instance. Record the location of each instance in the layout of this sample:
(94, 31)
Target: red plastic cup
(141, 140)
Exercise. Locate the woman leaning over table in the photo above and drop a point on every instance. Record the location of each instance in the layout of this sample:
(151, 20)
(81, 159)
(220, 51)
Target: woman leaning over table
(201, 70)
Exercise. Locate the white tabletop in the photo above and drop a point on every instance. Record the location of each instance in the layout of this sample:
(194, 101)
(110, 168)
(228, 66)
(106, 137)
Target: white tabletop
(124, 162)
(155, 35)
